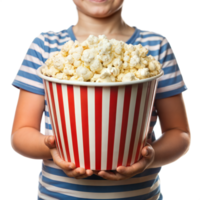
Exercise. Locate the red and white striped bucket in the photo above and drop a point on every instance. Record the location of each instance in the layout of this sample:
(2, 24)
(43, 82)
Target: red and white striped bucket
(100, 127)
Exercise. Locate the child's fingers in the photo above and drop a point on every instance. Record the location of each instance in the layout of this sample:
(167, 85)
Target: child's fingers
(89, 172)
(68, 167)
(78, 172)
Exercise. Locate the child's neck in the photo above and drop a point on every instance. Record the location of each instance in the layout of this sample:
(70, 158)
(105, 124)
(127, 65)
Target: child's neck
(112, 26)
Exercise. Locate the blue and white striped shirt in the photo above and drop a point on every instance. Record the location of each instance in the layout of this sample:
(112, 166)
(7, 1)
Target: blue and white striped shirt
(53, 182)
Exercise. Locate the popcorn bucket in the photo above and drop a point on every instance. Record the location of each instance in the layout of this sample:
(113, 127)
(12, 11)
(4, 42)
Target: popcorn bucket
(100, 126)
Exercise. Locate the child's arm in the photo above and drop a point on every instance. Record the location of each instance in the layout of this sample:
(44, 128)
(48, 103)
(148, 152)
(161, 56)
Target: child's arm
(173, 143)
(175, 139)
(27, 139)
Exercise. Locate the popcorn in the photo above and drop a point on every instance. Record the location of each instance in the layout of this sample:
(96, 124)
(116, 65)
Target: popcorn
(115, 71)
(77, 63)
(69, 70)
(98, 59)
(152, 66)
(135, 60)
(92, 40)
(76, 56)
(106, 59)
(126, 58)
(67, 46)
(70, 59)
(129, 77)
(142, 73)
(96, 66)
(61, 76)
(84, 73)
(88, 56)
(52, 71)
(117, 63)
(104, 47)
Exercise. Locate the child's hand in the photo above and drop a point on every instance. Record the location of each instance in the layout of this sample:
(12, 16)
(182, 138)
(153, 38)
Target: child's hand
(68, 167)
(122, 172)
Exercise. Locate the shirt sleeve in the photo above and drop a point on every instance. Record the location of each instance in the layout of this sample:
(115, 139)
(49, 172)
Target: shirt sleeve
(171, 83)
(26, 77)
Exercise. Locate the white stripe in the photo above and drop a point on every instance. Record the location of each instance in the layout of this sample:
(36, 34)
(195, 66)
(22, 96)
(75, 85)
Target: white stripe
(170, 87)
(169, 63)
(37, 48)
(41, 37)
(50, 163)
(148, 32)
(29, 82)
(45, 197)
(150, 48)
(154, 47)
(139, 124)
(163, 54)
(171, 75)
(87, 182)
(67, 120)
(152, 38)
(105, 122)
(27, 69)
(91, 121)
(58, 33)
(57, 38)
(55, 45)
(130, 123)
(33, 59)
(118, 124)
(51, 46)
(95, 195)
(156, 197)
(79, 132)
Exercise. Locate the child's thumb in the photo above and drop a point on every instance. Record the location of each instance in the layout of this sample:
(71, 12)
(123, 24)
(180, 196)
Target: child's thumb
(147, 151)
(50, 141)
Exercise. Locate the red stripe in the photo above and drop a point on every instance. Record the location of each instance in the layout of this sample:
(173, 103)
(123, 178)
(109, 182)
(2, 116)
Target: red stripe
(143, 124)
(85, 129)
(135, 122)
(55, 117)
(62, 117)
(111, 129)
(127, 98)
(73, 123)
(98, 126)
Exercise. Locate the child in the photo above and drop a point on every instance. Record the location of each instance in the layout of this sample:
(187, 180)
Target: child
(62, 180)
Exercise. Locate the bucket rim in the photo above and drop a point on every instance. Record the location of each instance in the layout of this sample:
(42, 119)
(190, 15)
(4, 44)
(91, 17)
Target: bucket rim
(108, 84)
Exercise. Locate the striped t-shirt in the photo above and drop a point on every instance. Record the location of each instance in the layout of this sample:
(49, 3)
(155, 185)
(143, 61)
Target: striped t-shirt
(53, 182)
